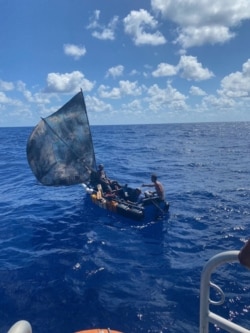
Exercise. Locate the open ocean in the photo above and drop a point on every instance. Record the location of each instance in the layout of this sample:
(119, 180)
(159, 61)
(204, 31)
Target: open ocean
(67, 266)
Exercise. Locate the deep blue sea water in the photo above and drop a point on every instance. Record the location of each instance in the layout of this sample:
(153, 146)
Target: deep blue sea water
(66, 266)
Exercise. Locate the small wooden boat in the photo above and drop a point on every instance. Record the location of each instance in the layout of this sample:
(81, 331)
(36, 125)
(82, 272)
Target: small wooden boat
(150, 207)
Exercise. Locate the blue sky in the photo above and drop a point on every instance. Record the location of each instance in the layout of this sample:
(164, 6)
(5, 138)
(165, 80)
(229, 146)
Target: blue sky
(158, 61)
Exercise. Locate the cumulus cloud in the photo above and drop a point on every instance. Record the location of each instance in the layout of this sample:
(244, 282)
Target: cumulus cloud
(130, 88)
(74, 51)
(204, 21)
(125, 88)
(96, 105)
(196, 91)
(38, 97)
(106, 92)
(4, 99)
(100, 31)
(218, 103)
(134, 106)
(141, 26)
(188, 68)
(94, 21)
(115, 71)
(6, 86)
(67, 82)
(237, 84)
(198, 36)
(161, 99)
(165, 69)
(134, 72)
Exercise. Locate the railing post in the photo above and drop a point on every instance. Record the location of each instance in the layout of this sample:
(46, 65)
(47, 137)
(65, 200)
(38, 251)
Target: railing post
(221, 258)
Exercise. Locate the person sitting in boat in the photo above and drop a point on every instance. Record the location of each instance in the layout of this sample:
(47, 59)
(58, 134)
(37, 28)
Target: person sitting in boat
(138, 196)
(134, 195)
(103, 179)
(159, 189)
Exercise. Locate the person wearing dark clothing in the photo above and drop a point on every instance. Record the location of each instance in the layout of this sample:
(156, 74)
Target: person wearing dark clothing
(103, 179)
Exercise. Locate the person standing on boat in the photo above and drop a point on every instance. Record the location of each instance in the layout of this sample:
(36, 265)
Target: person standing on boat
(159, 189)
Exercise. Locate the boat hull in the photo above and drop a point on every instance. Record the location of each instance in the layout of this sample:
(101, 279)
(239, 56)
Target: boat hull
(148, 209)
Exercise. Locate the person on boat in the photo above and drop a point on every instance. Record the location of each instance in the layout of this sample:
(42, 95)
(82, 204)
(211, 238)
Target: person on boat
(103, 179)
(139, 197)
(159, 189)
(132, 194)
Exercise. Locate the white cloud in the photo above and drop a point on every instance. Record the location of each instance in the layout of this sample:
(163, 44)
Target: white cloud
(190, 69)
(96, 105)
(125, 88)
(134, 72)
(105, 92)
(4, 99)
(218, 103)
(196, 91)
(135, 25)
(204, 21)
(105, 34)
(101, 31)
(237, 84)
(234, 93)
(115, 71)
(134, 106)
(74, 50)
(164, 69)
(38, 98)
(6, 86)
(163, 99)
(198, 36)
(67, 82)
(130, 88)
(94, 22)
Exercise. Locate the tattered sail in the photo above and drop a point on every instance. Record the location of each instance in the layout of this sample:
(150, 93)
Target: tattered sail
(60, 148)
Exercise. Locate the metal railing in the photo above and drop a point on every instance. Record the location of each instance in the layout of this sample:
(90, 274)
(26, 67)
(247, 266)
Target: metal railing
(207, 316)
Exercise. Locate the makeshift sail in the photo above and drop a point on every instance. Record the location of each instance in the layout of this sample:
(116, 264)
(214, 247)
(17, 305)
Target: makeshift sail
(60, 148)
